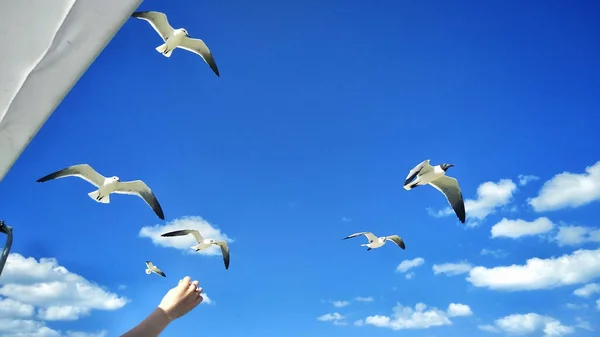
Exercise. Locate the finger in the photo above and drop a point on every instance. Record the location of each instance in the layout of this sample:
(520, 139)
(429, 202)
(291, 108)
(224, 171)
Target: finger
(192, 287)
(199, 290)
(185, 282)
(199, 300)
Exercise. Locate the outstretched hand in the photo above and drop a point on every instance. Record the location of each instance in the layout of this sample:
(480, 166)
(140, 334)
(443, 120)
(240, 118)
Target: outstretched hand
(181, 299)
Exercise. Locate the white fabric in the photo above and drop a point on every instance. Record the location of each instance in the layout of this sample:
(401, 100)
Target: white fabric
(45, 47)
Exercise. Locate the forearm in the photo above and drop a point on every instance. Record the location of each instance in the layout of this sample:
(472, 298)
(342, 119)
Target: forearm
(152, 326)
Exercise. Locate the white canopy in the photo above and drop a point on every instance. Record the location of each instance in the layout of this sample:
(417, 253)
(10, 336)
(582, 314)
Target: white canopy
(46, 45)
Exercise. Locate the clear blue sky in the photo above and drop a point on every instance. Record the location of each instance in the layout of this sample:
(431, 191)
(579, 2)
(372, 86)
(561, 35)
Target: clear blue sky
(321, 110)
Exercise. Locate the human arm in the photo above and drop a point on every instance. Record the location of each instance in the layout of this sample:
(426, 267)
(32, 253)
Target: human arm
(177, 302)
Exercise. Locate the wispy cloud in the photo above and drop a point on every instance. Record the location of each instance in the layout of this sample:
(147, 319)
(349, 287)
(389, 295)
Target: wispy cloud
(407, 265)
(526, 179)
(452, 269)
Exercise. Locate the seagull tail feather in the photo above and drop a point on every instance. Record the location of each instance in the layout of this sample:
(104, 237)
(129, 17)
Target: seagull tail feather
(105, 199)
(163, 50)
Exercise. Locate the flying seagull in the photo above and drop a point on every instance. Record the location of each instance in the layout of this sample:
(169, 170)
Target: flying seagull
(176, 38)
(109, 185)
(203, 243)
(153, 269)
(435, 176)
(376, 242)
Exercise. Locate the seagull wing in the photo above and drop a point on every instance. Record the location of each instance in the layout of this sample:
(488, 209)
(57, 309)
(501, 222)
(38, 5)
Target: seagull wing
(369, 236)
(397, 240)
(139, 188)
(158, 271)
(158, 21)
(83, 171)
(149, 265)
(198, 46)
(225, 252)
(181, 232)
(421, 168)
(449, 186)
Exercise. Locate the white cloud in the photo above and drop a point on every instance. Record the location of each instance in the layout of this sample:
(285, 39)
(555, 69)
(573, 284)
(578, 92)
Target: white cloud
(10, 308)
(418, 318)
(452, 269)
(121, 287)
(579, 267)
(206, 299)
(587, 290)
(185, 242)
(409, 276)
(574, 306)
(583, 324)
(44, 287)
(340, 304)
(406, 265)
(459, 310)
(576, 235)
(598, 304)
(499, 253)
(488, 328)
(359, 322)
(569, 190)
(364, 299)
(345, 219)
(526, 179)
(490, 196)
(518, 228)
(521, 324)
(335, 318)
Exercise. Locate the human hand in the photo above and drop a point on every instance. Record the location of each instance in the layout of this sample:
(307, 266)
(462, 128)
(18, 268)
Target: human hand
(181, 299)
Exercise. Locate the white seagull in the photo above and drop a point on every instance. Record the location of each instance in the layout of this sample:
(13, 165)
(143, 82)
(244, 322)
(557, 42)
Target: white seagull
(108, 185)
(153, 269)
(435, 176)
(176, 38)
(376, 242)
(202, 243)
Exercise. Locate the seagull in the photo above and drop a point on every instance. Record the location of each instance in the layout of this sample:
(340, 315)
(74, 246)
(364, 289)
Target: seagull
(376, 242)
(435, 176)
(176, 38)
(109, 185)
(153, 269)
(203, 243)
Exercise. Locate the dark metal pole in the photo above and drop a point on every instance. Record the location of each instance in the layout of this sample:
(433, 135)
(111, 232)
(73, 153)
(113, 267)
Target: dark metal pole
(8, 231)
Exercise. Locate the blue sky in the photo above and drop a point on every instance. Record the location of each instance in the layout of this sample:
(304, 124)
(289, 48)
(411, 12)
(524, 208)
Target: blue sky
(320, 112)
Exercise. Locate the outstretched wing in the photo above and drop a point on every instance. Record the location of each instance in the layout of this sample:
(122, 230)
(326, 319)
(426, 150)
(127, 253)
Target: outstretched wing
(83, 171)
(139, 188)
(225, 252)
(369, 236)
(423, 167)
(149, 265)
(158, 21)
(397, 240)
(159, 272)
(449, 187)
(181, 232)
(198, 46)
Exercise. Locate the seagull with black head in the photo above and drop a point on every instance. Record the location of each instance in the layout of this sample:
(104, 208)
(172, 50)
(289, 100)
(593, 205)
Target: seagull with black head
(425, 174)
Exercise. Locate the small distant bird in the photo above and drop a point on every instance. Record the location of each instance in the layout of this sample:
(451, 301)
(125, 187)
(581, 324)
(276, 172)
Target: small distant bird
(176, 38)
(108, 185)
(435, 176)
(376, 242)
(203, 243)
(153, 269)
